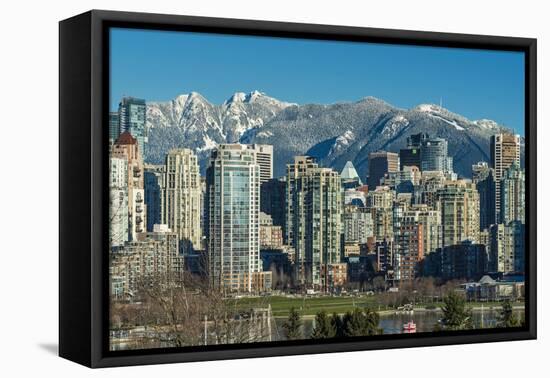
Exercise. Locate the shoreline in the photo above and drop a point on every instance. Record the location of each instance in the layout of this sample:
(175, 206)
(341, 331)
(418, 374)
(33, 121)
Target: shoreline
(386, 313)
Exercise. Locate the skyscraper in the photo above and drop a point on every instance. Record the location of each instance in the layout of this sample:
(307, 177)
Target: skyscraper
(505, 150)
(294, 174)
(233, 208)
(114, 126)
(512, 195)
(272, 201)
(385, 259)
(483, 178)
(409, 242)
(153, 181)
(426, 192)
(126, 147)
(416, 140)
(181, 203)
(380, 163)
(314, 220)
(499, 248)
(131, 113)
(431, 227)
(466, 260)
(410, 156)
(380, 205)
(118, 201)
(264, 158)
(401, 205)
(459, 206)
(358, 225)
(517, 232)
(434, 155)
(507, 247)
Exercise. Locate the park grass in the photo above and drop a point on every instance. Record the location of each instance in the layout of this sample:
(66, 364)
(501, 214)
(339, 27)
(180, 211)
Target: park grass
(311, 305)
(308, 306)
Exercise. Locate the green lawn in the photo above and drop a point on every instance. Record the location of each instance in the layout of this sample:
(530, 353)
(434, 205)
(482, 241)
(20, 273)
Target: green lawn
(486, 305)
(280, 306)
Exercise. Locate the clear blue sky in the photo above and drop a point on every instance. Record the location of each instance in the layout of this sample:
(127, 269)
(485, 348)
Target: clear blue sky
(159, 65)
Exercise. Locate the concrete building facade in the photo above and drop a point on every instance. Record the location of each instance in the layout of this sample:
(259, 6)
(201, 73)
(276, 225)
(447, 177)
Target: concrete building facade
(181, 198)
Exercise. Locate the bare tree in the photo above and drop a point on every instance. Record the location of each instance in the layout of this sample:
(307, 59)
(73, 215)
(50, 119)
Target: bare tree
(184, 310)
(173, 309)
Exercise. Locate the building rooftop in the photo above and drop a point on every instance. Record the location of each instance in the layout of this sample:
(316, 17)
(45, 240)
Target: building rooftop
(350, 173)
(126, 138)
(486, 280)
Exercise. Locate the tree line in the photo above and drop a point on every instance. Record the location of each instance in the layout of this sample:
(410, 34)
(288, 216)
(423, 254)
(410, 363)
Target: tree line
(365, 322)
(359, 322)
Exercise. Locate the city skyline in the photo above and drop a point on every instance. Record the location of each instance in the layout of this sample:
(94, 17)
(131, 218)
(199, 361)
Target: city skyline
(229, 223)
(316, 232)
(479, 84)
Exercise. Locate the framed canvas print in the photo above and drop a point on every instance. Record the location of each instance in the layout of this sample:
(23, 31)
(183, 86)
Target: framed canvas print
(234, 188)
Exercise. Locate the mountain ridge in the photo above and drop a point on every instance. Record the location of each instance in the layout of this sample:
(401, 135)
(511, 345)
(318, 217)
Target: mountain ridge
(333, 133)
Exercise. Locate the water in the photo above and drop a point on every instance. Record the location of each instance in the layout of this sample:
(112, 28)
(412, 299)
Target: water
(393, 323)
(426, 321)
(390, 324)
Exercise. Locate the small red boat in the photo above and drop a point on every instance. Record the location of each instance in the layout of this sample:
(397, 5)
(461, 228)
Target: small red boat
(409, 327)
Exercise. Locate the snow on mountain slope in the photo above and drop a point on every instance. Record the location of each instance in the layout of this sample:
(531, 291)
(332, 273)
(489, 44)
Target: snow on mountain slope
(393, 126)
(452, 122)
(486, 124)
(189, 120)
(333, 133)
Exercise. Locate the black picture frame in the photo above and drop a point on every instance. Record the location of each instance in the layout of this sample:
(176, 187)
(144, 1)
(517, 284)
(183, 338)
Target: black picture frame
(83, 158)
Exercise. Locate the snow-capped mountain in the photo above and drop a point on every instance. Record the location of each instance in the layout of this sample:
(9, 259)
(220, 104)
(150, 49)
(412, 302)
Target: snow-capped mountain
(332, 133)
(190, 120)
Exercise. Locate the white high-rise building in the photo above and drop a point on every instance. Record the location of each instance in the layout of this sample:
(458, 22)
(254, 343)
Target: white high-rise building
(118, 201)
(126, 147)
(380, 205)
(431, 226)
(314, 221)
(459, 206)
(512, 195)
(506, 247)
(505, 151)
(358, 224)
(264, 158)
(181, 202)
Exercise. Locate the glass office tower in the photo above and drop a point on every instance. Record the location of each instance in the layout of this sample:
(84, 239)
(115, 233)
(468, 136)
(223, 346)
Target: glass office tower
(233, 207)
(131, 113)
